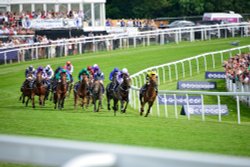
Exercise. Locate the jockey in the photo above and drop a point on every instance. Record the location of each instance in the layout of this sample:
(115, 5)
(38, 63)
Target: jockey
(90, 70)
(95, 68)
(70, 68)
(83, 71)
(113, 74)
(148, 76)
(40, 69)
(30, 77)
(100, 77)
(58, 75)
(120, 76)
(29, 70)
(50, 73)
(44, 75)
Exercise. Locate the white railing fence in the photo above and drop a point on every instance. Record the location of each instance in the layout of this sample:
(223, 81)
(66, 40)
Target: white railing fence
(55, 152)
(75, 46)
(189, 67)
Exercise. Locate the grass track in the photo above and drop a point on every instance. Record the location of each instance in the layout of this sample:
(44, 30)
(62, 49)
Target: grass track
(195, 135)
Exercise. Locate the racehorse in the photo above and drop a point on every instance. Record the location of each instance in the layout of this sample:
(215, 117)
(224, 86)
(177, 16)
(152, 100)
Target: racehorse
(97, 94)
(149, 95)
(109, 91)
(81, 91)
(122, 94)
(27, 89)
(39, 89)
(61, 90)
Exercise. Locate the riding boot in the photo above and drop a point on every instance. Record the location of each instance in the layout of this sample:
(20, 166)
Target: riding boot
(143, 89)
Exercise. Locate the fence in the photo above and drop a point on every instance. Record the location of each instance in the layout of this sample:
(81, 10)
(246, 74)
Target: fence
(75, 46)
(55, 152)
(188, 68)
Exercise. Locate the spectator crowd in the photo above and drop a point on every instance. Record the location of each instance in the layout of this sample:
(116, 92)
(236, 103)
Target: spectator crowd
(237, 68)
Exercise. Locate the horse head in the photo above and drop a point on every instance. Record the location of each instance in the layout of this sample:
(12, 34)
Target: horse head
(85, 79)
(126, 84)
(153, 80)
(39, 78)
(96, 87)
(63, 78)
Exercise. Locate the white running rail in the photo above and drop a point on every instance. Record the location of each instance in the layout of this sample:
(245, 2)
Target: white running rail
(188, 67)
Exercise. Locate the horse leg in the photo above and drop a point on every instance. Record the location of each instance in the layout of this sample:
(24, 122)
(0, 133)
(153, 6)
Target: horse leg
(41, 99)
(100, 102)
(126, 105)
(69, 90)
(20, 98)
(94, 102)
(75, 100)
(122, 104)
(63, 101)
(150, 104)
(59, 101)
(108, 101)
(51, 95)
(142, 104)
(115, 106)
(33, 100)
(55, 100)
(27, 101)
(23, 98)
(87, 104)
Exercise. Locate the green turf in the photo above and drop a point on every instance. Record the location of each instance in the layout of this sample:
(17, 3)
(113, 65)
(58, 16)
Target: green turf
(211, 136)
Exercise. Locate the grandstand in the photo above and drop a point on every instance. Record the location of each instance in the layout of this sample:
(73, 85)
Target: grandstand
(88, 15)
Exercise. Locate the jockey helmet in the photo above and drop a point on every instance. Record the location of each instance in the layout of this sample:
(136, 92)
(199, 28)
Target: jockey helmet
(116, 69)
(153, 73)
(95, 65)
(84, 69)
(48, 67)
(89, 68)
(63, 70)
(125, 71)
(40, 68)
(30, 67)
(96, 68)
(68, 63)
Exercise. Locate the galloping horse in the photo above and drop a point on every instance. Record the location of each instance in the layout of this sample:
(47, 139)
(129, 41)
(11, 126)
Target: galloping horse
(61, 90)
(97, 94)
(149, 95)
(81, 91)
(122, 94)
(27, 89)
(109, 91)
(39, 89)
